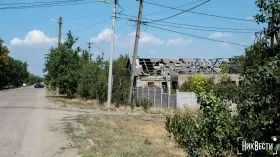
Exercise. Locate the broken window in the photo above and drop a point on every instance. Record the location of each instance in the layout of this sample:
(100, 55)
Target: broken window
(151, 84)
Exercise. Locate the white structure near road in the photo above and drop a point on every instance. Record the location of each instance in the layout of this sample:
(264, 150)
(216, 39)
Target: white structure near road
(188, 99)
(165, 100)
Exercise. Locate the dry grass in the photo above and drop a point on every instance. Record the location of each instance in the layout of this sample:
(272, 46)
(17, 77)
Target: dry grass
(107, 135)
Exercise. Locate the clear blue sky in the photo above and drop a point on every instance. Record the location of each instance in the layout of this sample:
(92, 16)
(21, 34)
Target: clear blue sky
(29, 32)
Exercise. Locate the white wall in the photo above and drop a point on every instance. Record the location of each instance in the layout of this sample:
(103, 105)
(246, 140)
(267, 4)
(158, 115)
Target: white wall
(186, 99)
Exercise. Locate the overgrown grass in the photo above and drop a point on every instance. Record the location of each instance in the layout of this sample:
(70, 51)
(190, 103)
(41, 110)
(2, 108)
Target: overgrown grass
(125, 136)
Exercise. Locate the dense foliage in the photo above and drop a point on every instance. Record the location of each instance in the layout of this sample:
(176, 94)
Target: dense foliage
(215, 129)
(197, 83)
(62, 67)
(211, 131)
(93, 80)
(78, 75)
(12, 72)
(32, 79)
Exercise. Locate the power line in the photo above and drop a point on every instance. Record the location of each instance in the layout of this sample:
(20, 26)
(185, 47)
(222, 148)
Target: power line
(46, 2)
(199, 13)
(121, 26)
(124, 33)
(181, 12)
(80, 17)
(97, 47)
(200, 26)
(198, 36)
(172, 8)
(91, 26)
(47, 5)
(119, 6)
(199, 29)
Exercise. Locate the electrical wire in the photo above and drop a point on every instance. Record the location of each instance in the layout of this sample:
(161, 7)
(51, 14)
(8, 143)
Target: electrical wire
(119, 6)
(38, 2)
(181, 12)
(91, 25)
(47, 5)
(199, 13)
(199, 26)
(124, 33)
(121, 26)
(199, 29)
(81, 17)
(171, 9)
(198, 36)
(97, 47)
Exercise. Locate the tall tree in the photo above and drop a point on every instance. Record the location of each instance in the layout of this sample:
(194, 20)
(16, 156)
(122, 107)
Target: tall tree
(121, 77)
(62, 66)
(4, 58)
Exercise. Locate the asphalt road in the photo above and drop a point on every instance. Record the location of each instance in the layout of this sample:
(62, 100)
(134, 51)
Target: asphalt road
(28, 127)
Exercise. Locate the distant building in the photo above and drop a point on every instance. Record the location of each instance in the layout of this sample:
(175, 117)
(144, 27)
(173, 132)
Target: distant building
(162, 72)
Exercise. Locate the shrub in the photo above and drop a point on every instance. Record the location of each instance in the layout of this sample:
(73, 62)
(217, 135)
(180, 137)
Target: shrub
(211, 131)
(197, 83)
(144, 103)
(184, 130)
(132, 106)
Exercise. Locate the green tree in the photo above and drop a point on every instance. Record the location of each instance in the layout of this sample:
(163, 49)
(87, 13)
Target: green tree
(86, 56)
(32, 79)
(62, 66)
(93, 80)
(257, 98)
(16, 72)
(4, 58)
(269, 13)
(212, 130)
(197, 83)
(121, 76)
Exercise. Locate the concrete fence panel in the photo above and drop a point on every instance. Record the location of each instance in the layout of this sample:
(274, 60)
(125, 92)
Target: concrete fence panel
(163, 100)
(186, 99)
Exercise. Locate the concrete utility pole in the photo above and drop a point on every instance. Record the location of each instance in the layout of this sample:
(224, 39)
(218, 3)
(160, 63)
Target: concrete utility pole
(89, 51)
(59, 30)
(135, 50)
(109, 96)
(59, 41)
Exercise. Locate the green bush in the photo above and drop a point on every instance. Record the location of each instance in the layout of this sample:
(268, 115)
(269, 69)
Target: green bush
(62, 65)
(144, 103)
(212, 131)
(184, 130)
(197, 83)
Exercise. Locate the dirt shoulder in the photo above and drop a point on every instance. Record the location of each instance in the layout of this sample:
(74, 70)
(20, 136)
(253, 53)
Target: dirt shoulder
(99, 131)
(55, 142)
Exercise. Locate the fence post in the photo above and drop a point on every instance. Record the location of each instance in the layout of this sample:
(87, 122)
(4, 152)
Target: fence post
(161, 91)
(155, 90)
(176, 103)
(143, 93)
(148, 93)
(137, 93)
(168, 100)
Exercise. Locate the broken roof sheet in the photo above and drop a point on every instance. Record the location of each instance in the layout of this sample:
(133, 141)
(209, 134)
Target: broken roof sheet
(182, 65)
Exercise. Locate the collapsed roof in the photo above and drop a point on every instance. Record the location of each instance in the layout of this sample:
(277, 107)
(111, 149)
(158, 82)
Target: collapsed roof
(182, 66)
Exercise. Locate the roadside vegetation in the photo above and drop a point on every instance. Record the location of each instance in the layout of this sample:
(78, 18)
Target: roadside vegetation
(77, 75)
(215, 129)
(13, 72)
(211, 131)
(122, 135)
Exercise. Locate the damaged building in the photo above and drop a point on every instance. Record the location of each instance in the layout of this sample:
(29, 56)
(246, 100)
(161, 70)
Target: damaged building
(173, 72)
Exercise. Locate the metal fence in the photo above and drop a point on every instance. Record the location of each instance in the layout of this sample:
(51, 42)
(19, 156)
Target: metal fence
(156, 97)
(163, 100)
